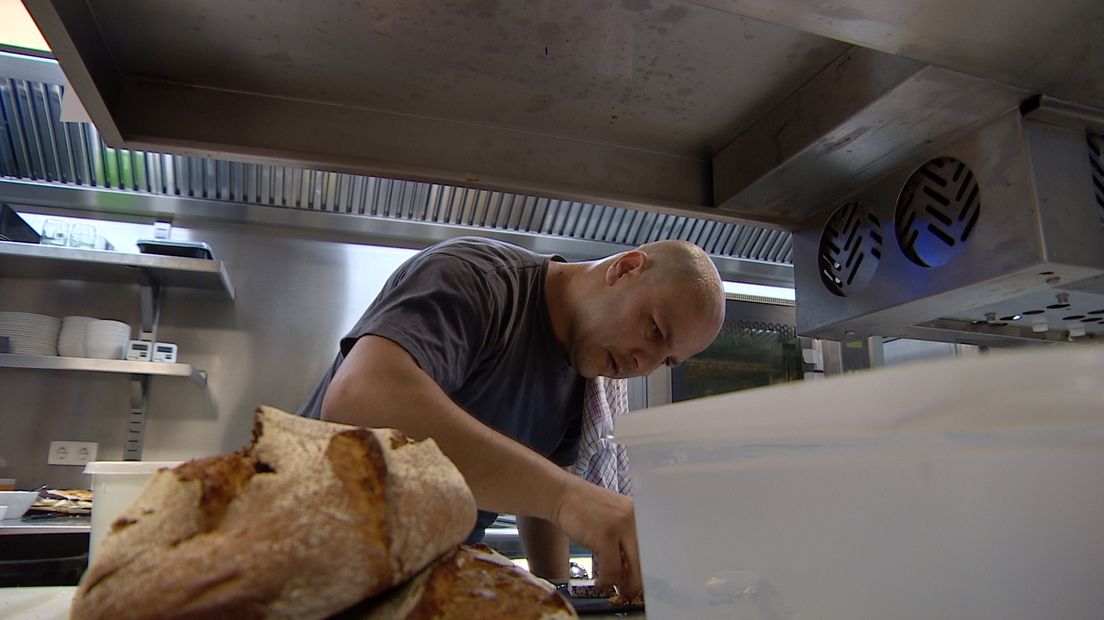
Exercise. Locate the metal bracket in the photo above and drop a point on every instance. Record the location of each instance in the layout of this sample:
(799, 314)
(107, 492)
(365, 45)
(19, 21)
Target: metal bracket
(136, 421)
(150, 300)
(149, 295)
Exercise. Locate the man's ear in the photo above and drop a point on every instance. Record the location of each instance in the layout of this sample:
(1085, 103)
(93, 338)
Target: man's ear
(626, 263)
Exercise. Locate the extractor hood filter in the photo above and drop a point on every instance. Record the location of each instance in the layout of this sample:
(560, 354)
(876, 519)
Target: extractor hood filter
(938, 210)
(1096, 163)
(995, 239)
(850, 248)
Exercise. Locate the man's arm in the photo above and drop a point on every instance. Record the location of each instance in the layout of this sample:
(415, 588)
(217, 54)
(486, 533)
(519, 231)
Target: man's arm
(380, 385)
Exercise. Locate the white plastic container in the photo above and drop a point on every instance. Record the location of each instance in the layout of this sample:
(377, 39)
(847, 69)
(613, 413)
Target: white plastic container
(969, 488)
(115, 485)
(17, 502)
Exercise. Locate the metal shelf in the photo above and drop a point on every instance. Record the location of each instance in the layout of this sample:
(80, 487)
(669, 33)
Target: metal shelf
(26, 260)
(153, 369)
(151, 273)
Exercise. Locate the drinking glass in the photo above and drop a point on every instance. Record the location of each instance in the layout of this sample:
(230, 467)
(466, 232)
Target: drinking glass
(55, 232)
(82, 236)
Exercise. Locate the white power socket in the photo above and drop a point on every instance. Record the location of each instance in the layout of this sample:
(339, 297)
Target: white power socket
(72, 452)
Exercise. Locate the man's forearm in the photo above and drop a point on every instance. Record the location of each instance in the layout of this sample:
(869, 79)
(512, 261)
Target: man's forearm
(380, 385)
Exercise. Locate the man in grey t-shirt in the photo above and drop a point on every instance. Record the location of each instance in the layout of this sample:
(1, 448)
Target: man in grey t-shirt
(485, 346)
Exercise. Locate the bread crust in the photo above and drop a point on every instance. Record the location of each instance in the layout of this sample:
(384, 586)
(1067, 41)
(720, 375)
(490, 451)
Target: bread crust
(310, 519)
(471, 583)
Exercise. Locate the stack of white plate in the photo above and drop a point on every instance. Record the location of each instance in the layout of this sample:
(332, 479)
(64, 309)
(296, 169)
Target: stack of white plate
(30, 334)
(106, 339)
(71, 338)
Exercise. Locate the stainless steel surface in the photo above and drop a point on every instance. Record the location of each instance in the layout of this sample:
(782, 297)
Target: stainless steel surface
(622, 103)
(159, 369)
(1045, 109)
(25, 260)
(1052, 48)
(904, 350)
(136, 420)
(30, 68)
(862, 117)
(151, 273)
(297, 292)
(402, 232)
(1038, 236)
(60, 526)
(658, 387)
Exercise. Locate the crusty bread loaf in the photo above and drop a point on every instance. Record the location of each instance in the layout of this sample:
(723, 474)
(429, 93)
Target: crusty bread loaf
(310, 519)
(472, 583)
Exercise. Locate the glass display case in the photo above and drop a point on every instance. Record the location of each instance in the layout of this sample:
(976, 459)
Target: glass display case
(757, 346)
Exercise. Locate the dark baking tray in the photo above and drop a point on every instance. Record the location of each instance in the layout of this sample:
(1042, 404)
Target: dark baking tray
(185, 249)
(15, 228)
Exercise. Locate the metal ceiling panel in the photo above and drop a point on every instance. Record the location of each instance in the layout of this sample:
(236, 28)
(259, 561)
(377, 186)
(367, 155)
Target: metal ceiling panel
(1048, 47)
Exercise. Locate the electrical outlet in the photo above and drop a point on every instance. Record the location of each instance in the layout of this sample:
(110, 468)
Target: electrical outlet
(72, 452)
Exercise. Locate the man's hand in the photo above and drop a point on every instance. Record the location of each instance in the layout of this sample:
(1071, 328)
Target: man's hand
(605, 523)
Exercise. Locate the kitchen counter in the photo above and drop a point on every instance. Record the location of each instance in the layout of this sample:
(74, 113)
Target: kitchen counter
(43, 603)
(52, 603)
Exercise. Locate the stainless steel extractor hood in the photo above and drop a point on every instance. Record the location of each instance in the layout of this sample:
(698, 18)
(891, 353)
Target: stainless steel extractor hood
(805, 116)
(994, 239)
(735, 110)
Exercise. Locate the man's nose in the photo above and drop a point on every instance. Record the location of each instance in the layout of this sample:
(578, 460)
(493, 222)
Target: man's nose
(646, 360)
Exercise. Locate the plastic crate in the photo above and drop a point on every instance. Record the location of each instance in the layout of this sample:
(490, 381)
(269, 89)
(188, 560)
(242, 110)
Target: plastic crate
(957, 489)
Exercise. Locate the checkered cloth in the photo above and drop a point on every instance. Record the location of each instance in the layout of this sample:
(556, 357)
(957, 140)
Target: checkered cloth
(601, 460)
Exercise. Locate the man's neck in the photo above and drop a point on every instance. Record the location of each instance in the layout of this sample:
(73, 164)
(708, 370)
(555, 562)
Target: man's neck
(564, 284)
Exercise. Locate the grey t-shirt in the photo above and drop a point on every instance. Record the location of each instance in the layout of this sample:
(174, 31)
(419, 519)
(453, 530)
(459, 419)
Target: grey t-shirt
(473, 314)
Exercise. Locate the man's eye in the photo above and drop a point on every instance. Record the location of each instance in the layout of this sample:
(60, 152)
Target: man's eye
(655, 330)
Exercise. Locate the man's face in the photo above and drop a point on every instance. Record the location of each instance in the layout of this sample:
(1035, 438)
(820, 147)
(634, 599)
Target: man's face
(632, 326)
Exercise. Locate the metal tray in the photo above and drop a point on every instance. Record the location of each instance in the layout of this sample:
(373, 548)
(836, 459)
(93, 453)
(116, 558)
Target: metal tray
(185, 249)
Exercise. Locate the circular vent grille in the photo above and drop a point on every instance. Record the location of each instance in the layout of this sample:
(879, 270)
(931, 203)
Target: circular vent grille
(850, 249)
(937, 212)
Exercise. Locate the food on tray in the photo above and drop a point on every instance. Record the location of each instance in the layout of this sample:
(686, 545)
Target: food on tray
(78, 495)
(470, 583)
(585, 588)
(310, 519)
(619, 600)
(63, 501)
